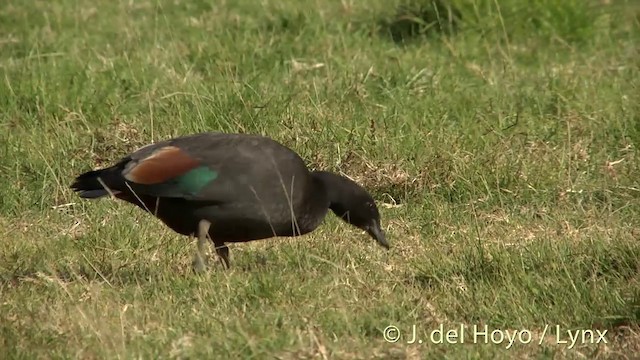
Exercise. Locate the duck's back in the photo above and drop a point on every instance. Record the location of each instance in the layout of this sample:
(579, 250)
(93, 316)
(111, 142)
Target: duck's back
(242, 164)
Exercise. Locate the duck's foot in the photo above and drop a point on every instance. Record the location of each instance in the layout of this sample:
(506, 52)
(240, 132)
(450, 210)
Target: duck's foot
(223, 254)
(199, 263)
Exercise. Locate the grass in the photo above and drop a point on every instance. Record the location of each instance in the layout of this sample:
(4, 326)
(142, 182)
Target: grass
(501, 144)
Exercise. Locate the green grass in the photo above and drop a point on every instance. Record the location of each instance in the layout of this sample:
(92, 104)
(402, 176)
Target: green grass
(503, 152)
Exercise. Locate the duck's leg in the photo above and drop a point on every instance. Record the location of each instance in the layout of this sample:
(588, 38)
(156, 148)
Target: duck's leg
(223, 252)
(199, 263)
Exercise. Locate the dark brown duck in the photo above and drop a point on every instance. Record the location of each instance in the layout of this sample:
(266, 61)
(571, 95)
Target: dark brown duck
(233, 187)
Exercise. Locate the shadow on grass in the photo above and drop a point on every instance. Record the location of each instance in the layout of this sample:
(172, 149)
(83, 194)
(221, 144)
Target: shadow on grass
(137, 272)
(418, 19)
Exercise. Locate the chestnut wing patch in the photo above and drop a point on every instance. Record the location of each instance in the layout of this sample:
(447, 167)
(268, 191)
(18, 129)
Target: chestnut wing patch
(170, 171)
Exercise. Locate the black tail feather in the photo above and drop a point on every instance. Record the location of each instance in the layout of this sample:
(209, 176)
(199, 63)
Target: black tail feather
(88, 186)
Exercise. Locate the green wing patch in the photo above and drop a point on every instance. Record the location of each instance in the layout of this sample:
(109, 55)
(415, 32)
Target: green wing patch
(195, 180)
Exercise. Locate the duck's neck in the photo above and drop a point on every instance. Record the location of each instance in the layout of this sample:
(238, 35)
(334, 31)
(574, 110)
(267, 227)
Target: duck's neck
(329, 184)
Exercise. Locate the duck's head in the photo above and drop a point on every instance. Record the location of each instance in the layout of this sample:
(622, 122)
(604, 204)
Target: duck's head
(350, 202)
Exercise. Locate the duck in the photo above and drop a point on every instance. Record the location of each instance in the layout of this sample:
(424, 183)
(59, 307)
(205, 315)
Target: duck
(225, 188)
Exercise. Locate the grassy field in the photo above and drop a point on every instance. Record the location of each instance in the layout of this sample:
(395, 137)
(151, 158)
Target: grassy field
(501, 142)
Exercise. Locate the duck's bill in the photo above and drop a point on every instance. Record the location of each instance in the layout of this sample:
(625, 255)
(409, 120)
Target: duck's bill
(377, 233)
